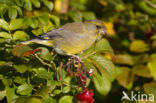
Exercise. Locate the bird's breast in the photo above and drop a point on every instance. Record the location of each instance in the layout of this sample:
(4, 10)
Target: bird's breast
(73, 43)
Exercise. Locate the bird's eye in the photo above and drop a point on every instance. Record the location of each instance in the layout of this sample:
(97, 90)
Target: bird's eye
(98, 27)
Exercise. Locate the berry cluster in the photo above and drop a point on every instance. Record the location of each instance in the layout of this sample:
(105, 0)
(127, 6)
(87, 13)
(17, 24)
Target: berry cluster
(86, 96)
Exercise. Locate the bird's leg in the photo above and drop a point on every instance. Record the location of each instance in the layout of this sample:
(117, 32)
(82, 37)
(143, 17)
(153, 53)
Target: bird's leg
(77, 61)
(76, 57)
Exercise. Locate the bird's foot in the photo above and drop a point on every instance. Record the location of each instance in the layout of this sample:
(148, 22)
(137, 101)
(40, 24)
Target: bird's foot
(76, 61)
(75, 57)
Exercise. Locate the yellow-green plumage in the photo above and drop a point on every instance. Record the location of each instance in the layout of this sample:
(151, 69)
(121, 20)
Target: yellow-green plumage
(72, 38)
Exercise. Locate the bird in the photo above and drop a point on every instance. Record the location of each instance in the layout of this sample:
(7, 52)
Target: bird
(71, 38)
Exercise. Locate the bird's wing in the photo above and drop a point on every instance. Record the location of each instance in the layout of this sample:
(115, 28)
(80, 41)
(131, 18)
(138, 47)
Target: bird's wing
(50, 35)
(67, 29)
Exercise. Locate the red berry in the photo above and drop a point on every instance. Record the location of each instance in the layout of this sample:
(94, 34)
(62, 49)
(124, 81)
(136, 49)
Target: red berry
(81, 79)
(149, 33)
(86, 96)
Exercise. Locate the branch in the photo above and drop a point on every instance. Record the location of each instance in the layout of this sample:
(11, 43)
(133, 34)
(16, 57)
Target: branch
(44, 63)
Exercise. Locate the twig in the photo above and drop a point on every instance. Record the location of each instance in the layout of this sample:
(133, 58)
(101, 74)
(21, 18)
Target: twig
(44, 63)
(150, 3)
(59, 71)
(54, 56)
(53, 64)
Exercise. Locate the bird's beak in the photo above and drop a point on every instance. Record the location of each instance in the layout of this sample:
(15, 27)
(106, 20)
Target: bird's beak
(103, 31)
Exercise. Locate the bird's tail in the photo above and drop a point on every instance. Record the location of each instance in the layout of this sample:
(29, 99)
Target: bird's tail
(39, 41)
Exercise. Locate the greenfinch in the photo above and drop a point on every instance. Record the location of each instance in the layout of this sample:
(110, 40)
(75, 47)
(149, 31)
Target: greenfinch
(72, 38)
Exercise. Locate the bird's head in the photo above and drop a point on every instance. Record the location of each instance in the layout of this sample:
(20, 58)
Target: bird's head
(96, 25)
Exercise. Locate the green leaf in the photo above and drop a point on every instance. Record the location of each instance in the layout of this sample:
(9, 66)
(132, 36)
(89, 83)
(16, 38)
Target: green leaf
(48, 4)
(43, 73)
(43, 92)
(19, 80)
(5, 35)
(66, 89)
(67, 80)
(4, 24)
(3, 10)
(55, 19)
(28, 5)
(75, 16)
(153, 37)
(145, 7)
(48, 27)
(37, 32)
(36, 3)
(56, 91)
(27, 100)
(105, 66)
(101, 83)
(141, 70)
(12, 13)
(20, 35)
(49, 100)
(123, 59)
(101, 80)
(10, 94)
(25, 89)
(21, 68)
(53, 83)
(139, 46)
(2, 94)
(1, 76)
(2, 40)
(18, 9)
(142, 58)
(7, 82)
(120, 7)
(150, 88)
(45, 54)
(18, 24)
(152, 65)
(66, 99)
(44, 19)
(63, 74)
(126, 77)
(2, 63)
(103, 46)
(19, 2)
(33, 22)
(88, 15)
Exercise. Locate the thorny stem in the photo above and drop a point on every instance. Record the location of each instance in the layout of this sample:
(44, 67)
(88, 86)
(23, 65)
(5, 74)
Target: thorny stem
(59, 71)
